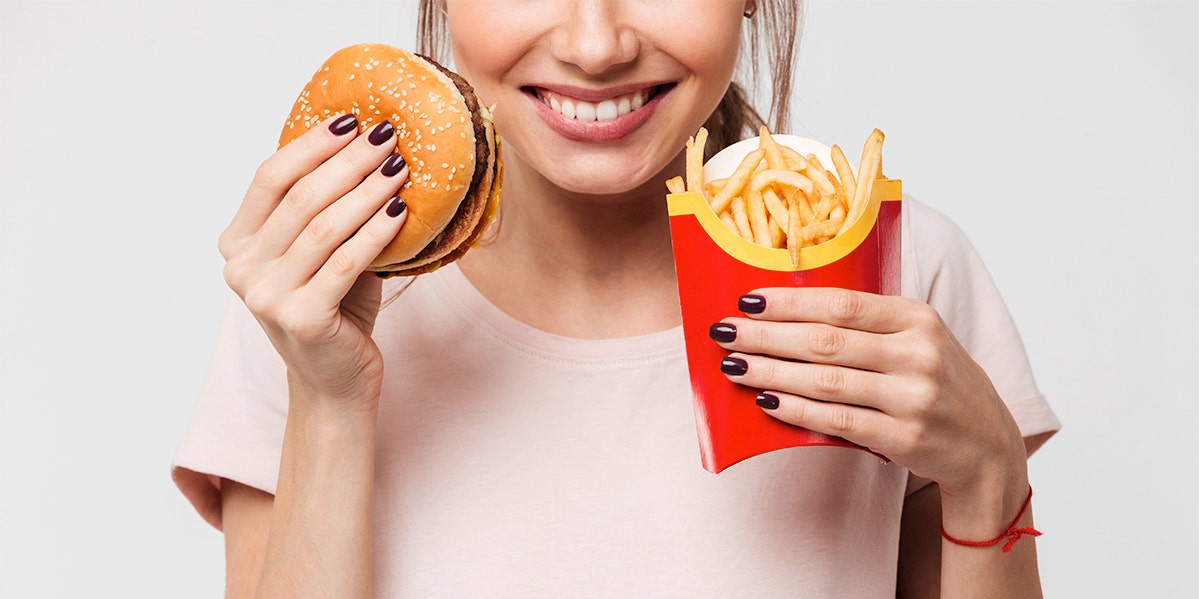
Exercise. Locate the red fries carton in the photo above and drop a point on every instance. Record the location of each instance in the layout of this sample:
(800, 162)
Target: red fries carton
(715, 267)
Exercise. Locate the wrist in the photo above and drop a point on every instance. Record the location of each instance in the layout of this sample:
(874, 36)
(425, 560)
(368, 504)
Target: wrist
(353, 402)
(986, 507)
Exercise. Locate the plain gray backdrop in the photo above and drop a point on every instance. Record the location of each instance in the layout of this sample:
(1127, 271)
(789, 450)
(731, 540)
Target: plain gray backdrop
(1061, 136)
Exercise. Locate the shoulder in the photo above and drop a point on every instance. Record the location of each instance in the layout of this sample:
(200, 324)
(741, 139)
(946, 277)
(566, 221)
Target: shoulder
(935, 249)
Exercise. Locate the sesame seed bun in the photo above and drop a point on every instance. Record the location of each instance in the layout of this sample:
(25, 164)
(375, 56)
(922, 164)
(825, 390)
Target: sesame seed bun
(443, 131)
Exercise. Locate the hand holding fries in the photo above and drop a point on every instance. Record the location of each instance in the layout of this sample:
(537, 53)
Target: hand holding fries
(778, 198)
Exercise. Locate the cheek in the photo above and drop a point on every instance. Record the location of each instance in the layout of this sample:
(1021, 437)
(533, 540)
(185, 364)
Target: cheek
(480, 64)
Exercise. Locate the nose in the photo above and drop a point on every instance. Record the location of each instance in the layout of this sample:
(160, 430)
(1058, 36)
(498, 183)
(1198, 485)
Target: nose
(594, 36)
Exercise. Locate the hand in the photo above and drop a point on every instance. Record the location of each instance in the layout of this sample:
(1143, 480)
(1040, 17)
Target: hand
(883, 372)
(317, 213)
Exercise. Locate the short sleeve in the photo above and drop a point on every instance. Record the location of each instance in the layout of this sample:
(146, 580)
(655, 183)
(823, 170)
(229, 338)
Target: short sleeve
(237, 426)
(942, 268)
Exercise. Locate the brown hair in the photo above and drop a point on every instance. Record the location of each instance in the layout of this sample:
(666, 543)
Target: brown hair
(773, 32)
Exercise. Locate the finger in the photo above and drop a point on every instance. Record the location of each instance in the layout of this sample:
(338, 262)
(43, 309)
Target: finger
(339, 222)
(349, 260)
(870, 428)
(817, 381)
(330, 181)
(808, 341)
(839, 307)
(277, 174)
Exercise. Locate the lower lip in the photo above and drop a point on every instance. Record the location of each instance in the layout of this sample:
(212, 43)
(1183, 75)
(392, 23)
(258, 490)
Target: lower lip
(597, 131)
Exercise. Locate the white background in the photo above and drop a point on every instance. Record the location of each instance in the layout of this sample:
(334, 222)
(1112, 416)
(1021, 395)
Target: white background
(1062, 136)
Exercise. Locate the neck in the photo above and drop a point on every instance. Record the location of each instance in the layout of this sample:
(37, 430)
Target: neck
(579, 265)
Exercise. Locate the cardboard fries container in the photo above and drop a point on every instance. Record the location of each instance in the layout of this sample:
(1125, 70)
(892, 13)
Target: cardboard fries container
(715, 267)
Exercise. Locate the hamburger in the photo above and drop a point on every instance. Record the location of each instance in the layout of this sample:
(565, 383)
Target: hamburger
(443, 131)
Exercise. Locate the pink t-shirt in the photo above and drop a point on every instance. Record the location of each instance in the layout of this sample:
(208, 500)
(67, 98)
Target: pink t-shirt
(513, 462)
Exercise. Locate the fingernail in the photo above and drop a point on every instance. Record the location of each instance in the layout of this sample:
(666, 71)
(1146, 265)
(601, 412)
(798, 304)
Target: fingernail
(734, 366)
(396, 208)
(343, 124)
(752, 304)
(722, 332)
(381, 133)
(391, 166)
(767, 401)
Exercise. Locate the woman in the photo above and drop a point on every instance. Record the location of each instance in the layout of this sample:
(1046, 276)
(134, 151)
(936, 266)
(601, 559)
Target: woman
(520, 423)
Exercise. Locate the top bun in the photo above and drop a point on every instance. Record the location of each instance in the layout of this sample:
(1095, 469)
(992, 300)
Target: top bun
(434, 131)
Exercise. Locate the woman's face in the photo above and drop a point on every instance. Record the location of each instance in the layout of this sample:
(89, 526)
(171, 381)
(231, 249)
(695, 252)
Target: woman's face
(597, 96)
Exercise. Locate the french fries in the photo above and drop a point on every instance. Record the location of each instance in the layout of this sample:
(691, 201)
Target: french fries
(780, 199)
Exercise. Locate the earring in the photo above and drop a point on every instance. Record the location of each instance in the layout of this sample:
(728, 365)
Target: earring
(749, 12)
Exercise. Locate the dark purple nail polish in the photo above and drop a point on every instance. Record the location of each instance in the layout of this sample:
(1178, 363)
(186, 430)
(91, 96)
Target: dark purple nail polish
(722, 332)
(391, 166)
(381, 133)
(734, 366)
(396, 208)
(767, 401)
(752, 304)
(343, 124)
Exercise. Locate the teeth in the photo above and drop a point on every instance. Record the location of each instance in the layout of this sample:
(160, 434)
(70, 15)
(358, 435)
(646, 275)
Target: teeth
(585, 111)
(607, 110)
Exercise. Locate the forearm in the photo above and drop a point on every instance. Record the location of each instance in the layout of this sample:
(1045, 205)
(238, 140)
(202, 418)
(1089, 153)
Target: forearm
(321, 525)
(983, 514)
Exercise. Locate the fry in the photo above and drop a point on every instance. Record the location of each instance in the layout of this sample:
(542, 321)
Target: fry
(757, 211)
(781, 177)
(695, 160)
(740, 218)
(737, 181)
(778, 235)
(776, 208)
(676, 185)
(845, 173)
(712, 187)
(868, 171)
(800, 199)
(794, 242)
(728, 220)
(771, 149)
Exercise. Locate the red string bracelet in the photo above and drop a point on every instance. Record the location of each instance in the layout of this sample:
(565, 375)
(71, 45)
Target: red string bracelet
(1013, 534)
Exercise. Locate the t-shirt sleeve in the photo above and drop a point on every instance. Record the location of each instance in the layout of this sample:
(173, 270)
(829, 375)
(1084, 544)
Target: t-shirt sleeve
(237, 426)
(947, 273)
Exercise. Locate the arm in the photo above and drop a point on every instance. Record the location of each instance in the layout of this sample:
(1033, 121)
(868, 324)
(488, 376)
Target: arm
(920, 569)
(314, 536)
(317, 213)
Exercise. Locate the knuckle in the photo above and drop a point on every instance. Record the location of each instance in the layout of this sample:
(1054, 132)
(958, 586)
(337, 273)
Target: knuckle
(758, 337)
(927, 316)
(342, 264)
(260, 302)
(302, 197)
(357, 161)
(766, 372)
(842, 420)
(271, 175)
(826, 341)
(844, 305)
(829, 382)
(321, 230)
(225, 244)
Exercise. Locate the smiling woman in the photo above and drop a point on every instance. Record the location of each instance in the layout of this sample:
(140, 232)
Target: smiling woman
(519, 423)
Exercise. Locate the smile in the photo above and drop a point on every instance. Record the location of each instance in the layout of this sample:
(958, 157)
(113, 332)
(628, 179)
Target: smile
(609, 109)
